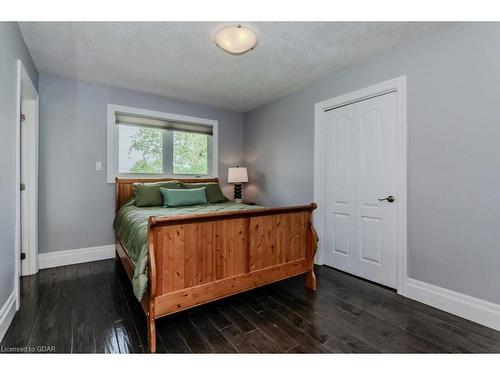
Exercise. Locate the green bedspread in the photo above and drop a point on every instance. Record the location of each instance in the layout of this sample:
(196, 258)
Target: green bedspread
(131, 226)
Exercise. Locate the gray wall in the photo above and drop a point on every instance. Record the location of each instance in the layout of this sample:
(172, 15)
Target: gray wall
(11, 48)
(76, 203)
(454, 151)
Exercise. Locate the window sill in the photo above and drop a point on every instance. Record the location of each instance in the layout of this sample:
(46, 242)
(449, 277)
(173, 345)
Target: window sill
(159, 177)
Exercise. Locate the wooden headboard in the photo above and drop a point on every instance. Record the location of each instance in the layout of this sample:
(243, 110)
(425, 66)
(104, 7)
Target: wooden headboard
(124, 190)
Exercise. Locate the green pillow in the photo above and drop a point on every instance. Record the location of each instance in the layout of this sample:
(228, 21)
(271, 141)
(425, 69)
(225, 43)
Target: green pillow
(148, 194)
(183, 197)
(214, 193)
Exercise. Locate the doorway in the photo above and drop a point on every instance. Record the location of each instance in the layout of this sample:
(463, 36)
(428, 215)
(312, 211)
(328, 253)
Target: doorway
(360, 183)
(26, 253)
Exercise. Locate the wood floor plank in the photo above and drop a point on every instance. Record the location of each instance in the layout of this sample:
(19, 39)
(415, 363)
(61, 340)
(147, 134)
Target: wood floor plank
(416, 322)
(170, 338)
(385, 295)
(83, 335)
(106, 340)
(300, 323)
(343, 342)
(213, 336)
(216, 317)
(251, 301)
(235, 317)
(126, 334)
(241, 341)
(340, 338)
(191, 335)
(262, 342)
(90, 308)
(307, 344)
(53, 325)
(104, 328)
(138, 318)
(280, 338)
(381, 334)
(22, 325)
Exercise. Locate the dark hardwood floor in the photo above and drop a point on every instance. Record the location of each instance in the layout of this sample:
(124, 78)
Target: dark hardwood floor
(90, 308)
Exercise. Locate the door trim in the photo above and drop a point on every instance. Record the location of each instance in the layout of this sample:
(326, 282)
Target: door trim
(26, 90)
(397, 85)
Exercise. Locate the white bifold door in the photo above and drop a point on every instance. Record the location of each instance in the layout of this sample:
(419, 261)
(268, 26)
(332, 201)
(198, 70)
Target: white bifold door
(360, 180)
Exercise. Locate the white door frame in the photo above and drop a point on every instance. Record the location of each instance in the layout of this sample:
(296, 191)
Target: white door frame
(397, 85)
(26, 92)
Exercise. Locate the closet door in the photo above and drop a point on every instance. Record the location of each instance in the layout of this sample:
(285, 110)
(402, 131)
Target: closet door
(376, 219)
(340, 187)
(360, 171)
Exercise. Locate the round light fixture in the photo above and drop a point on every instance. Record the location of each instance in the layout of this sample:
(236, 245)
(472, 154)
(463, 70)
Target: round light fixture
(236, 40)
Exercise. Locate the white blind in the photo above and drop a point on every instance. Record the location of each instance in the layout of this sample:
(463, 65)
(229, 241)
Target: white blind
(128, 119)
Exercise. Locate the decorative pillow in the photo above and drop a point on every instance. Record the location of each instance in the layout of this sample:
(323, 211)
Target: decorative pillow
(214, 193)
(183, 197)
(148, 194)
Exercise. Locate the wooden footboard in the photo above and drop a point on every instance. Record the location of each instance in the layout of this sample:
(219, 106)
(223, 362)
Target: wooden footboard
(195, 259)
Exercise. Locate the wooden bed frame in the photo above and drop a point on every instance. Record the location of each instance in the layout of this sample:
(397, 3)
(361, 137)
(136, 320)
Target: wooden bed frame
(195, 259)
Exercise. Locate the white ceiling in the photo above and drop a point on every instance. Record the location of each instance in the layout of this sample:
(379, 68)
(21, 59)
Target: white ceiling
(180, 60)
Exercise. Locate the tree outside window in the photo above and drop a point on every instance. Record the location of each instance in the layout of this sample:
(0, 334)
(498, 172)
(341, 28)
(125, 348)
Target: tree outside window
(145, 147)
(190, 153)
(149, 144)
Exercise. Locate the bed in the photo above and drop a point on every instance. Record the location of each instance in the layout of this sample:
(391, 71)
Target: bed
(184, 257)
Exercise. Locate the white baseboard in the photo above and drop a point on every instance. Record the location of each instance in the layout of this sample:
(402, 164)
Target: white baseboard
(67, 257)
(7, 313)
(471, 308)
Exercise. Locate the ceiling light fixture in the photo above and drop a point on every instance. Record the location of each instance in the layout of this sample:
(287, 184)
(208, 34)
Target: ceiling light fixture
(236, 40)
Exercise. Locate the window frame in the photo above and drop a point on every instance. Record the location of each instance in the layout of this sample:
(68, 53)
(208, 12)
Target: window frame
(113, 139)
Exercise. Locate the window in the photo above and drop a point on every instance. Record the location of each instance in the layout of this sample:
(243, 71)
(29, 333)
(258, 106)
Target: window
(146, 144)
(140, 149)
(190, 153)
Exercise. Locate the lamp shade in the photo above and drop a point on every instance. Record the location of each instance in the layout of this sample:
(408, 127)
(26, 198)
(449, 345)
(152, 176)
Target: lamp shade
(237, 175)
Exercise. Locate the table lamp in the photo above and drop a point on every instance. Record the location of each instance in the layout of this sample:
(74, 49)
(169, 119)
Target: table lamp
(237, 175)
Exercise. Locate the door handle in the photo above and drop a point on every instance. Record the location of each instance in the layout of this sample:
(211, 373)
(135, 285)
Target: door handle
(389, 199)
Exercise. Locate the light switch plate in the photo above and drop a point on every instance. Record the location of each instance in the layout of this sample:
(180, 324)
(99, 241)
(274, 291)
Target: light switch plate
(98, 166)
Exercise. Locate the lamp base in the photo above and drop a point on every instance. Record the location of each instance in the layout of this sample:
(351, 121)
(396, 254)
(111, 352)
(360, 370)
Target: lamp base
(237, 193)
(238, 200)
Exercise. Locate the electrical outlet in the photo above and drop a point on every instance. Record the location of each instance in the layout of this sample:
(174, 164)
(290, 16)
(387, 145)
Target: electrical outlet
(98, 166)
